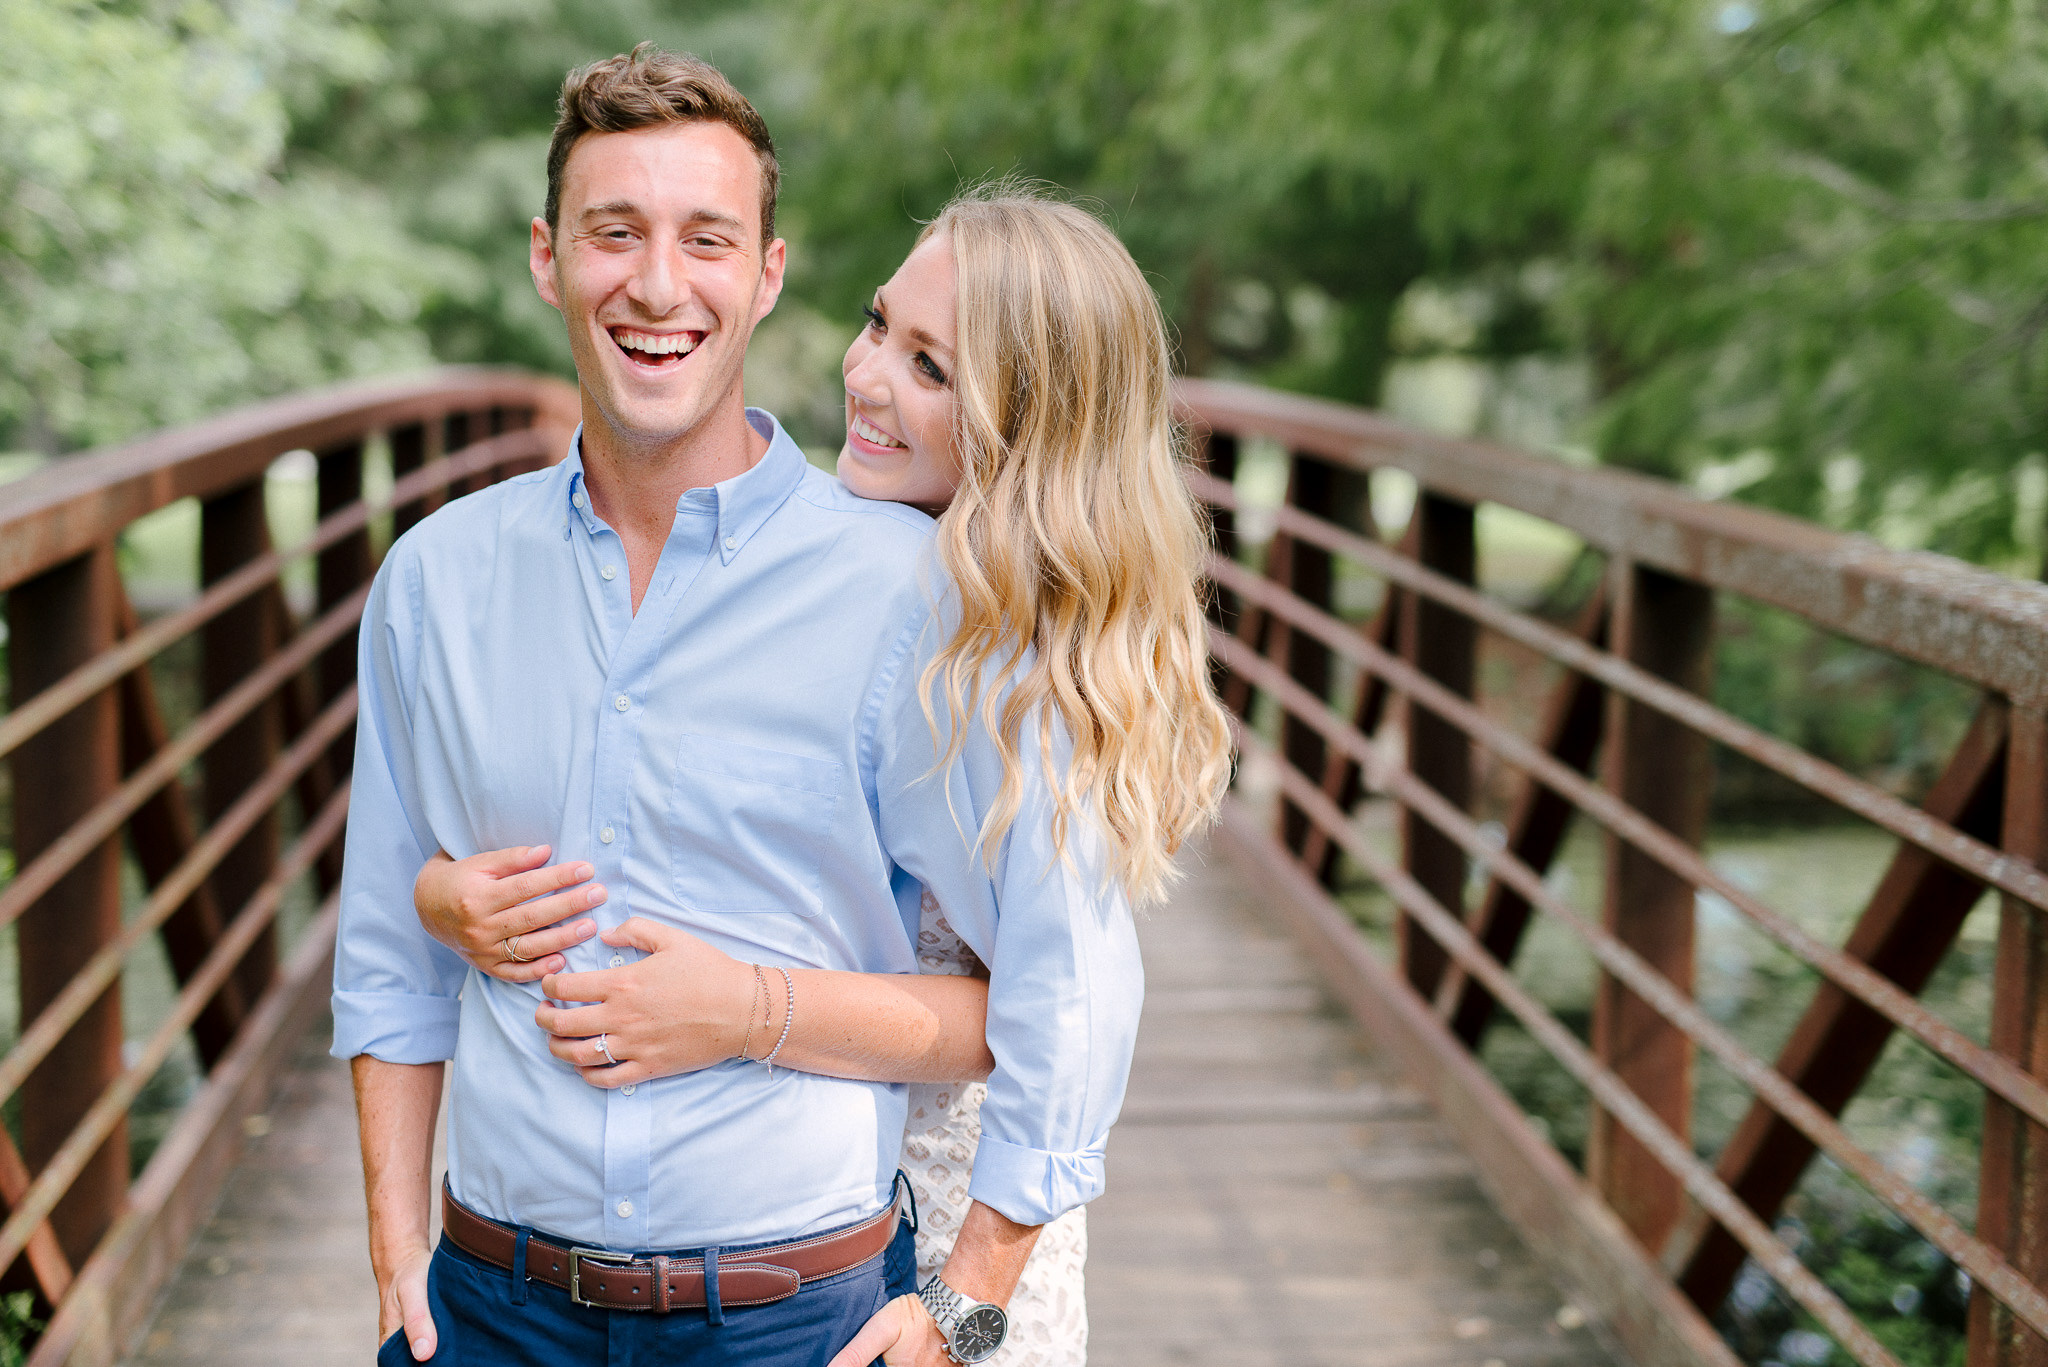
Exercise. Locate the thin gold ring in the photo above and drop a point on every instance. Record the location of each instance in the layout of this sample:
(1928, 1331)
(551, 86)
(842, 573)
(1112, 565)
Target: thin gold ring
(512, 951)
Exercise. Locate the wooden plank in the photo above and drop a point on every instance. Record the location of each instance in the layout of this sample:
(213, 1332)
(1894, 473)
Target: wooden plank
(1556, 1212)
(1664, 770)
(1904, 931)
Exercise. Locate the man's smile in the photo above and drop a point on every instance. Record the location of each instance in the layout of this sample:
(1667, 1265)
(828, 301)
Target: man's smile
(650, 350)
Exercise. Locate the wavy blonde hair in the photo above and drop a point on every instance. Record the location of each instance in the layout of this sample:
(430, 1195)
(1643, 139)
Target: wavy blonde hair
(1073, 535)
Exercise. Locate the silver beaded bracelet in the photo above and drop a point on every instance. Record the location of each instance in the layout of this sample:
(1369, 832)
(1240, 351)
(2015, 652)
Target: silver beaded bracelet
(788, 1018)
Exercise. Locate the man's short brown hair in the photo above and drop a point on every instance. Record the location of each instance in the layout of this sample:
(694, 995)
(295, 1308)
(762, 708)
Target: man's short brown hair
(646, 88)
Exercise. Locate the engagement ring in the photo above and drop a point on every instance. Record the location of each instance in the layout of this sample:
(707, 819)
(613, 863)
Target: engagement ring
(605, 1049)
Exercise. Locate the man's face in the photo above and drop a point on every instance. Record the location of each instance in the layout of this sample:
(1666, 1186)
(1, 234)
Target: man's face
(658, 268)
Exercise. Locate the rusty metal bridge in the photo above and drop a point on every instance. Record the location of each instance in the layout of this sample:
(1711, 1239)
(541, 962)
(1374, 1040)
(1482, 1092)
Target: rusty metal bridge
(1320, 1161)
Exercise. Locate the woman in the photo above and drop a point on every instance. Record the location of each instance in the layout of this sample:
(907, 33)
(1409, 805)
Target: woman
(1013, 378)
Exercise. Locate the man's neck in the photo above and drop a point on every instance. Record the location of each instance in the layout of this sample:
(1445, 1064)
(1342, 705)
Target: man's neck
(634, 486)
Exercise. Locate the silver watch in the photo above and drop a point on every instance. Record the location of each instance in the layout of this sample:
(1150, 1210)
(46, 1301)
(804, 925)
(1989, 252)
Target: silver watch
(973, 1329)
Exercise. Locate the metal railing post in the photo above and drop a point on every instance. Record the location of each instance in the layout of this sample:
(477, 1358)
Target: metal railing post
(233, 531)
(58, 621)
(2012, 1191)
(1664, 770)
(1442, 643)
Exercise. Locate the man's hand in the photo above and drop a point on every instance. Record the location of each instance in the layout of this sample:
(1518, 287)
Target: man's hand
(685, 1006)
(902, 1334)
(402, 1302)
(499, 909)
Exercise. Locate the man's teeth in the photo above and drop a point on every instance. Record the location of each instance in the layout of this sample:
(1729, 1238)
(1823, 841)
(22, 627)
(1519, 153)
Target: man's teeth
(656, 343)
(867, 431)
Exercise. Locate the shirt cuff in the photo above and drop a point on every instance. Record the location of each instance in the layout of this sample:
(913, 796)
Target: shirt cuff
(1034, 1186)
(397, 1027)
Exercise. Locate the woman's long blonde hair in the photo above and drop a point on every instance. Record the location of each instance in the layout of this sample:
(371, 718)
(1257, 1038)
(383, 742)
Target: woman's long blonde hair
(1073, 534)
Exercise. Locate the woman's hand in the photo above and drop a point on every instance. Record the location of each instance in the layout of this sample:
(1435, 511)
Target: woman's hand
(684, 1007)
(902, 1334)
(499, 910)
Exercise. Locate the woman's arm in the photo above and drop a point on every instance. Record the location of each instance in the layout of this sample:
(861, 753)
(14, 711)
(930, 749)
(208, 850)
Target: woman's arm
(688, 1005)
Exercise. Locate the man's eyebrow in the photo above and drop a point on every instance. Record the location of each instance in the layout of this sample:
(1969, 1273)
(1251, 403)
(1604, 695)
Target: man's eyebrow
(616, 208)
(609, 209)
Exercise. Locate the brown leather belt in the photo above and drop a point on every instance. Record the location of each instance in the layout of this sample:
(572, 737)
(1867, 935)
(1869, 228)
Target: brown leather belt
(614, 1281)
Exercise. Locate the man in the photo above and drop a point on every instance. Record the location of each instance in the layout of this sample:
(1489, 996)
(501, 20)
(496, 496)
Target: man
(686, 658)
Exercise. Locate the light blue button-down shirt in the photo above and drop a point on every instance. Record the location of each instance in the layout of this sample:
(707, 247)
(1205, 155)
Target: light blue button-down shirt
(747, 758)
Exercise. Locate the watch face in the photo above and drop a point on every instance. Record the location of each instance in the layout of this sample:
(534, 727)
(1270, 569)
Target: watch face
(979, 1333)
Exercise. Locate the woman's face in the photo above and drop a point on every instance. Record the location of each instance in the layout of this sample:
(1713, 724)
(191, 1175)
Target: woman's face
(899, 386)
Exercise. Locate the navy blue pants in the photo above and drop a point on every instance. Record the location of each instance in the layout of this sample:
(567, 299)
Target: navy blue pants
(481, 1321)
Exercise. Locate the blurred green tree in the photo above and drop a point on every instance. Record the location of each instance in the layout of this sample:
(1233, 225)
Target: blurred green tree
(155, 265)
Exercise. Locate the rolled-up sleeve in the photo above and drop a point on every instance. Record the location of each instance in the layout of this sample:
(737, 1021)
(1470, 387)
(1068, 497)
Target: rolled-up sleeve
(395, 989)
(1065, 981)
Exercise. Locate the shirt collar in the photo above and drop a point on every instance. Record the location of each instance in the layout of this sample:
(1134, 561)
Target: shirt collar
(743, 503)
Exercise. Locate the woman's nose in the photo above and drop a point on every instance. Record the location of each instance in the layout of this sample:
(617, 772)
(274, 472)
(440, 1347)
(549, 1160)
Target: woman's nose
(864, 379)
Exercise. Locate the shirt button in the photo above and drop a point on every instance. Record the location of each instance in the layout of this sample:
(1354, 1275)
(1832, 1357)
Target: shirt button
(575, 500)
(617, 960)
(625, 1209)
(610, 571)
(732, 543)
(605, 835)
(629, 1087)
(621, 702)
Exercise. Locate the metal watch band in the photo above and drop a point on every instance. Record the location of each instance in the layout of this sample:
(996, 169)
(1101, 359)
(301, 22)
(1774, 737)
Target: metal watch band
(949, 1309)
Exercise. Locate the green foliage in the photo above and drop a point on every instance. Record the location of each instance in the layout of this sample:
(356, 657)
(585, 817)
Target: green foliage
(154, 265)
(17, 1326)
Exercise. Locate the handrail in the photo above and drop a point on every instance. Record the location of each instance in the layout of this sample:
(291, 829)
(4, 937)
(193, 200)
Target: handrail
(100, 777)
(1336, 715)
(1987, 628)
(71, 505)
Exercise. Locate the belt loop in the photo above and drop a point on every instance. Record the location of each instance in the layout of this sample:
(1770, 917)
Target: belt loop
(519, 1267)
(712, 1308)
(661, 1283)
(902, 1184)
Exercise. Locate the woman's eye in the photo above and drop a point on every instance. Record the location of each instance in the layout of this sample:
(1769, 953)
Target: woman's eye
(930, 368)
(874, 317)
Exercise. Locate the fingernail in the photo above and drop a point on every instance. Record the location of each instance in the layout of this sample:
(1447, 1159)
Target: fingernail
(597, 895)
(585, 871)
(586, 930)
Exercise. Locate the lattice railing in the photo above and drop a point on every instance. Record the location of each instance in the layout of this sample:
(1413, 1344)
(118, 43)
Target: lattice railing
(218, 823)
(1339, 717)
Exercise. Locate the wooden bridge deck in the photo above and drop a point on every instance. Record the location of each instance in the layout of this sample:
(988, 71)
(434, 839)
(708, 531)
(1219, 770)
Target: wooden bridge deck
(1278, 1197)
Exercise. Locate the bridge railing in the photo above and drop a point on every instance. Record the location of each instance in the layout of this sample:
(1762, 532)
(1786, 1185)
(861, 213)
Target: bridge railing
(1337, 715)
(126, 830)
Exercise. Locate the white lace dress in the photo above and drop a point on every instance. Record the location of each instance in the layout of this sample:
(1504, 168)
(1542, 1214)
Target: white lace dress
(1049, 1312)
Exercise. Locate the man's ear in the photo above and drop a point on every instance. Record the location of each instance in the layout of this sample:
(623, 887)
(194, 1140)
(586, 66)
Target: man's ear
(772, 263)
(540, 259)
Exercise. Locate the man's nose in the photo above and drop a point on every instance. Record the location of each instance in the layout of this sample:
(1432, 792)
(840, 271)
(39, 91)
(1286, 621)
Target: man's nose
(662, 283)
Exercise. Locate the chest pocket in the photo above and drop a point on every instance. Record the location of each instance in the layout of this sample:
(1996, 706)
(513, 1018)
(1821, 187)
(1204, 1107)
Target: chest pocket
(749, 826)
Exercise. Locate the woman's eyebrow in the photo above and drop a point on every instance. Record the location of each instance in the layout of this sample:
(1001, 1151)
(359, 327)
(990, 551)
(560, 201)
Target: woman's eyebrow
(925, 339)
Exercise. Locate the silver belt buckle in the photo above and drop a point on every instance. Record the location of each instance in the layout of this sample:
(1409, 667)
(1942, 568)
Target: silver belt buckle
(596, 1255)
